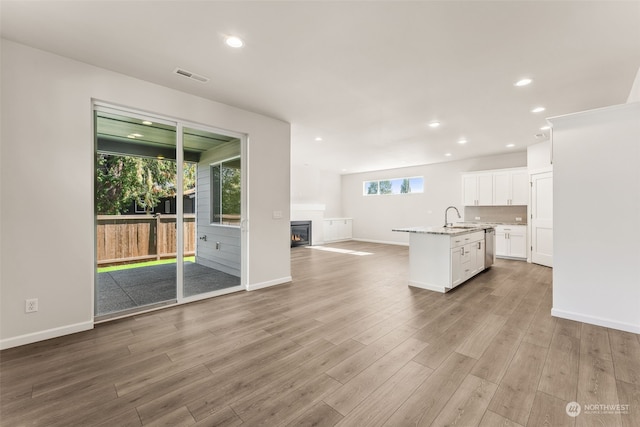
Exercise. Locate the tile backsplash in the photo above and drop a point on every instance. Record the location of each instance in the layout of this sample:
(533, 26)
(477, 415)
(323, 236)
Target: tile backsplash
(510, 214)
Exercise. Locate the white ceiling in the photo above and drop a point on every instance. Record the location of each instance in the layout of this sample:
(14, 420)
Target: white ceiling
(367, 77)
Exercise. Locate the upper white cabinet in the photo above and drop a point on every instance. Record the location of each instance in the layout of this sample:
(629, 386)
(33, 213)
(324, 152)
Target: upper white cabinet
(511, 187)
(477, 189)
(496, 188)
(337, 229)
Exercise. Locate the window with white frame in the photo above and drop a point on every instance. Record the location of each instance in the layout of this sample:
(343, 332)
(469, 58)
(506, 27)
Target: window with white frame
(226, 192)
(394, 186)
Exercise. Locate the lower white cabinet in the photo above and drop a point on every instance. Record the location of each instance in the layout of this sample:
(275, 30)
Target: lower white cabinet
(439, 261)
(336, 229)
(467, 261)
(511, 241)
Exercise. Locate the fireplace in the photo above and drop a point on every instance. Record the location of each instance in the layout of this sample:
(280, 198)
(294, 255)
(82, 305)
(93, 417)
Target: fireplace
(300, 233)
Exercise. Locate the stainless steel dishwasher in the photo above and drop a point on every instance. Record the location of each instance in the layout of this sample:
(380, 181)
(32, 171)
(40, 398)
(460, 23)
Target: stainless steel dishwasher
(489, 246)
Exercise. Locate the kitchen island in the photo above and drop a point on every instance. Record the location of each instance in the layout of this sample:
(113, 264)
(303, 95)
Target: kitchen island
(441, 258)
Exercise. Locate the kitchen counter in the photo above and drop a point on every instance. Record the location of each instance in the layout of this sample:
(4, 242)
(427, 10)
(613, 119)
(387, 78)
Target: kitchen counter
(451, 231)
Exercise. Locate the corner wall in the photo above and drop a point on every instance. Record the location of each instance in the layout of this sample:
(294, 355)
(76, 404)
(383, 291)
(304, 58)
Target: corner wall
(375, 216)
(46, 155)
(596, 205)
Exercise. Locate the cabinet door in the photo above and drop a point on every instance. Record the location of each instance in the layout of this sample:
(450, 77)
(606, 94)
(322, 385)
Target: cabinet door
(502, 249)
(469, 190)
(501, 193)
(518, 242)
(485, 190)
(519, 188)
(347, 229)
(329, 230)
(479, 252)
(456, 266)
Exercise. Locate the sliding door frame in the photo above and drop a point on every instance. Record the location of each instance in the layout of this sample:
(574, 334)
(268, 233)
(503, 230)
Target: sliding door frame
(180, 125)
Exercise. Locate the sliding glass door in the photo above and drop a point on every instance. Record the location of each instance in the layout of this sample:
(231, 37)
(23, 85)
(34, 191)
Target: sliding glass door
(164, 192)
(213, 213)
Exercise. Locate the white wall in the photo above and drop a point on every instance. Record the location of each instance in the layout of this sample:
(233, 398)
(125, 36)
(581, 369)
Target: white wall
(312, 186)
(47, 247)
(539, 156)
(596, 199)
(634, 95)
(375, 216)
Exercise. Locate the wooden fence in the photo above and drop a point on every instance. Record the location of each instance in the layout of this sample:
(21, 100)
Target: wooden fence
(127, 238)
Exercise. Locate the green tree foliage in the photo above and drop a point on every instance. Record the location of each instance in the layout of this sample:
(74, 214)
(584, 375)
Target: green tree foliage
(385, 187)
(372, 187)
(121, 180)
(406, 186)
(231, 189)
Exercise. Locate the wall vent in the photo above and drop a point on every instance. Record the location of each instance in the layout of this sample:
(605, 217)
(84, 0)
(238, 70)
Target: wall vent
(190, 75)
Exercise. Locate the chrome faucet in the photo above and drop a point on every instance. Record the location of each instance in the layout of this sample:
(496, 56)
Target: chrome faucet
(446, 224)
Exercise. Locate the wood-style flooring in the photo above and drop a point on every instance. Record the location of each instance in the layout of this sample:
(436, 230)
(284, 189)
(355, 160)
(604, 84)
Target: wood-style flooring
(347, 343)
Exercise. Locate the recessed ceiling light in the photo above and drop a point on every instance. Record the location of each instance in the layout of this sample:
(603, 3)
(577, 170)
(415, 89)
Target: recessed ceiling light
(523, 82)
(545, 128)
(137, 135)
(447, 154)
(132, 136)
(538, 110)
(234, 41)
(434, 124)
(147, 122)
(462, 141)
(318, 139)
(511, 145)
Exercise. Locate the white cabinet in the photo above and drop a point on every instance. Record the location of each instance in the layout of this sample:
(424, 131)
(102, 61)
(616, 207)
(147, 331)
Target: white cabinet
(439, 261)
(336, 229)
(501, 187)
(467, 257)
(477, 189)
(511, 187)
(511, 241)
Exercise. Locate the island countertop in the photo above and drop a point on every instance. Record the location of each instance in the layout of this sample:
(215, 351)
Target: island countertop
(451, 231)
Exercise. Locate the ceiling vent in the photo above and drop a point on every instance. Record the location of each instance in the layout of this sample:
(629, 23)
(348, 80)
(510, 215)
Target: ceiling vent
(190, 75)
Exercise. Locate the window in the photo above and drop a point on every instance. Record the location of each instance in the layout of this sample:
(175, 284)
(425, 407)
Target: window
(394, 186)
(225, 192)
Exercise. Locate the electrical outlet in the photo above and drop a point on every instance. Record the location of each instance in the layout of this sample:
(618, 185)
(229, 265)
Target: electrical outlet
(518, 218)
(31, 305)
(477, 218)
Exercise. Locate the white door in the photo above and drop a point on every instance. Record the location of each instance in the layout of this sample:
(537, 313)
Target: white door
(542, 219)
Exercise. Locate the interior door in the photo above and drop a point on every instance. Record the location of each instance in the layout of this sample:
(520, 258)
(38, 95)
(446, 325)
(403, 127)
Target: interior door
(542, 219)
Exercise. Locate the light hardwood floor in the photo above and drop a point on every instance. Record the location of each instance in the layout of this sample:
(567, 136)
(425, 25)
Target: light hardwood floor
(347, 343)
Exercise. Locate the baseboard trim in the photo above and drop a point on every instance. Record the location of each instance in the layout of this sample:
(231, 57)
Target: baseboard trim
(427, 286)
(594, 320)
(269, 283)
(45, 335)
(382, 242)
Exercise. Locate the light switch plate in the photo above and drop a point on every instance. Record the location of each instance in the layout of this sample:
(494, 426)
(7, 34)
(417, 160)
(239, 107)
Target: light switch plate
(277, 214)
(518, 218)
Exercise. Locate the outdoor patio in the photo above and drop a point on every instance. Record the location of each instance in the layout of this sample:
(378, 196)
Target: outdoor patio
(135, 287)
